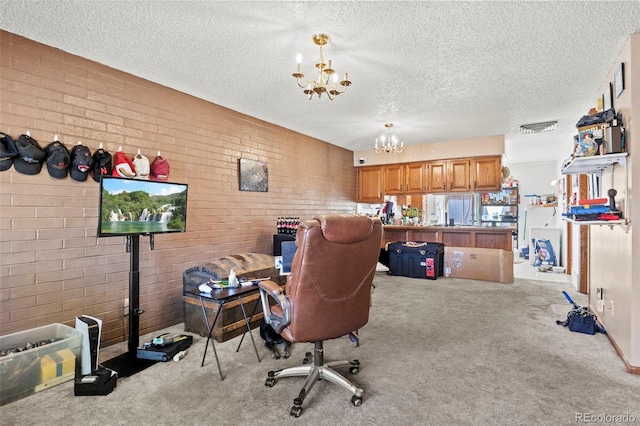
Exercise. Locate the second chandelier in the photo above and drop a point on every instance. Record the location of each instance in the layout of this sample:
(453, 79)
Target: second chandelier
(389, 142)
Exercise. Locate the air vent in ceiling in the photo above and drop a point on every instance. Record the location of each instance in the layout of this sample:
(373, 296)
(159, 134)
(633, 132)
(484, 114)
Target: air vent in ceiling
(547, 126)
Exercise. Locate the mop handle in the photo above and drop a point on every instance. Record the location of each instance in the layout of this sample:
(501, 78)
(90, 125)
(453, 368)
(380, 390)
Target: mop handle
(569, 299)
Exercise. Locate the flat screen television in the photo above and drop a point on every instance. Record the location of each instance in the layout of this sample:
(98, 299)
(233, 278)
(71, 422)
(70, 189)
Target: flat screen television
(141, 207)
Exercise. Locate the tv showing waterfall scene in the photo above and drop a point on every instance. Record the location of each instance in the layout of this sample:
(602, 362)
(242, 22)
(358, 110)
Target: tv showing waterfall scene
(141, 207)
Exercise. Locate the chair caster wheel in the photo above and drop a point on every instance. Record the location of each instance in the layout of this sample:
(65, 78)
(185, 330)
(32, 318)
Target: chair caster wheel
(269, 382)
(295, 411)
(356, 401)
(354, 370)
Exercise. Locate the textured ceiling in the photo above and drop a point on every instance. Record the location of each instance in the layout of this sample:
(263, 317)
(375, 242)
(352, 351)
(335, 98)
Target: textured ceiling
(438, 70)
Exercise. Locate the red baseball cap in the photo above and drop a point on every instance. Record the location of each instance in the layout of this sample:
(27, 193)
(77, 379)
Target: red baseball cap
(160, 169)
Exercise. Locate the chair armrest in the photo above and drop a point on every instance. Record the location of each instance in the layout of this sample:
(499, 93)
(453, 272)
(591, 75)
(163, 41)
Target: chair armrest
(273, 290)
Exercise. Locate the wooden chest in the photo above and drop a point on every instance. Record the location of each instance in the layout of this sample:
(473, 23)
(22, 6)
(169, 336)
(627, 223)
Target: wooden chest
(230, 322)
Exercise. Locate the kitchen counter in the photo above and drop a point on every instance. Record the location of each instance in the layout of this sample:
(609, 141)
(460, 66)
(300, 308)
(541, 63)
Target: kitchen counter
(454, 236)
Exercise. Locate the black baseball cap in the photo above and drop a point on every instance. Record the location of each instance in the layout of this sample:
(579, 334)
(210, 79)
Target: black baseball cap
(102, 164)
(8, 151)
(81, 162)
(30, 156)
(58, 159)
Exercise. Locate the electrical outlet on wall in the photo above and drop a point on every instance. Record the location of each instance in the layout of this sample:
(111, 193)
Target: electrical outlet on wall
(126, 307)
(611, 307)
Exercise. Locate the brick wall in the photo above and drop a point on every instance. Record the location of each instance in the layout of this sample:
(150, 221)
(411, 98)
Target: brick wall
(54, 268)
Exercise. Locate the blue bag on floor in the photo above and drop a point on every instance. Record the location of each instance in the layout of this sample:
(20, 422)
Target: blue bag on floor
(580, 319)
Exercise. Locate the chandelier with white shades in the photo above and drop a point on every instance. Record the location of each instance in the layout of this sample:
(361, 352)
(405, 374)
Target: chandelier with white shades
(388, 142)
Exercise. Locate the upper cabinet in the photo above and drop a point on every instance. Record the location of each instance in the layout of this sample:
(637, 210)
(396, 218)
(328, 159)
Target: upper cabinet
(370, 184)
(416, 178)
(410, 178)
(486, 174)
(437, 176)
(459, 175)
(448, 176)
(445, 176)
(394, 179)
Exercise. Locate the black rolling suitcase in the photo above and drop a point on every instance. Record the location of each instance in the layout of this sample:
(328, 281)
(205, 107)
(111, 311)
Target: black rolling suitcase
(416, 259)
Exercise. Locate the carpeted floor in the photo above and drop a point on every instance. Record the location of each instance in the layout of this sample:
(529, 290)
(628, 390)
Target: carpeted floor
(443, 352)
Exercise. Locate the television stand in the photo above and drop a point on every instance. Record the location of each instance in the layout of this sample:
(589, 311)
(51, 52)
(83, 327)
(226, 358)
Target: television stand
(128, 363)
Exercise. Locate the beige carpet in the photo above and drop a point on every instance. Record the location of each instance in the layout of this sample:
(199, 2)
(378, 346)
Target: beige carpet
(443, 352)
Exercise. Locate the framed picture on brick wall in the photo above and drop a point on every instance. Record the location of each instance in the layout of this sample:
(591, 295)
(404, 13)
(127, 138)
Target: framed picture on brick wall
(254, 175)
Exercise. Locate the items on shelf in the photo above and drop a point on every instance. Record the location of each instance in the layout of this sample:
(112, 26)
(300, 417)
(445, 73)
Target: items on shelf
(500, 209)
(542, 200)
(288, 225)
(599, 133)
(595, 209)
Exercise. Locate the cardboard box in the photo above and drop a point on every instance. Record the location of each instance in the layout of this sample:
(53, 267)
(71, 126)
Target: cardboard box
(479, 263)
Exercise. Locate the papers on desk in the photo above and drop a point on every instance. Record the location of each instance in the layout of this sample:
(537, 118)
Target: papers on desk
(204, 288)
(207, 288)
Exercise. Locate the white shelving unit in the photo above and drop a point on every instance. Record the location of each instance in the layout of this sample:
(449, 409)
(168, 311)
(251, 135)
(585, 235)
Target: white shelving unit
(596, 164)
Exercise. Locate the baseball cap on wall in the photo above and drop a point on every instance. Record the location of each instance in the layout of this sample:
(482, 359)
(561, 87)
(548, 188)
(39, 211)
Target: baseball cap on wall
(8, 151)
(58, 160)
(141, 163)
(122, 166)
(81, 162)
(30, 156)
(102, 164)
(160, 169)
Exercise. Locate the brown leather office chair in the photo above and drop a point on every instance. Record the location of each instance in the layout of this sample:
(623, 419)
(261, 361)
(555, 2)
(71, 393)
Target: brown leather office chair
(327, 295)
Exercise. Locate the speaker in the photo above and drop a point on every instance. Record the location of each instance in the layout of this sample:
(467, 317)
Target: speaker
(612, 140)
(90, 328)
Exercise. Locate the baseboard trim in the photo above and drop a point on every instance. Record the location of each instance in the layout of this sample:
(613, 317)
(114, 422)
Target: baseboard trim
(633, 369)
(630, 368)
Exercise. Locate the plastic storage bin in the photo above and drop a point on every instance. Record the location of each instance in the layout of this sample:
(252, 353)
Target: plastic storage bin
(41, 366)
(416, 259)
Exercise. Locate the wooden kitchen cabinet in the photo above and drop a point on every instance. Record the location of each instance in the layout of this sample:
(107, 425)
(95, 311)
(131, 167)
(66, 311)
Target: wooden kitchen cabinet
(451, 236)
(394, 179)
(437, 176)
(416, 178)
(459, 176)
(370, 184)
(442, 176)
(486, 174)
(449, 176)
